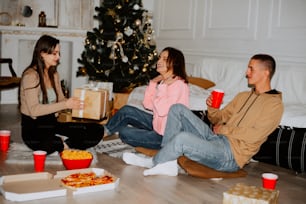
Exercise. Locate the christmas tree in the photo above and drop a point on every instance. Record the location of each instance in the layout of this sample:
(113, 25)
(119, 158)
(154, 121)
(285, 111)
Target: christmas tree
(122, 49)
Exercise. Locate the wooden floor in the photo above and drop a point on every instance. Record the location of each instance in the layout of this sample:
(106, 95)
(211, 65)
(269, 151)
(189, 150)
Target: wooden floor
(135, 188)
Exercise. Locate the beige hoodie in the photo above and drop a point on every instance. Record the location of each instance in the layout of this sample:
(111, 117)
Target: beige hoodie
(247, 121)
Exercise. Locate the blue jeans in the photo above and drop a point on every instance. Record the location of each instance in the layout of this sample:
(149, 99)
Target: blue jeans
(188, 135)
(135, 127)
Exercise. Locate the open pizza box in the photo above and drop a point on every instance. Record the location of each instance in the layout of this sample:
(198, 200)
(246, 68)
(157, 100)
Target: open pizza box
(32, 186)
(99, 172)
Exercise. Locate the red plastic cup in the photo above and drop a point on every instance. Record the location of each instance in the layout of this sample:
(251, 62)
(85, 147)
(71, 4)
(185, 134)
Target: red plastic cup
(5, 136)
(39, 157)
(269, 180)
(217, 97)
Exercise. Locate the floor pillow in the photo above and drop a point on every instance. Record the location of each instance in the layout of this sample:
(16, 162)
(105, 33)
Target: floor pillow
(146, 151)
(198, 170)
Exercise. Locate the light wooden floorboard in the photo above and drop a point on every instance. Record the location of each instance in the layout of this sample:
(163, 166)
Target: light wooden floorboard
(135, 188)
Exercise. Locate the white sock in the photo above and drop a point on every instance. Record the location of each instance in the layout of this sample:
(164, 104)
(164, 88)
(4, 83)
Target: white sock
(169, 168)
(133, 159)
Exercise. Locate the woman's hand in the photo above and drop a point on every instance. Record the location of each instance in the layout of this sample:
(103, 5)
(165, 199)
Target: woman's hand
(74, 103)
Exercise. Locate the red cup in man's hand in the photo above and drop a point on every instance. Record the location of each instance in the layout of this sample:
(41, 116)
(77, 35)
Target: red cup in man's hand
(217, 97)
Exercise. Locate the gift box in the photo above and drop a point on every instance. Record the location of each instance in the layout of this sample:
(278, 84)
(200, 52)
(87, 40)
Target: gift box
(96, 103)
(244, 194)
(120, 99)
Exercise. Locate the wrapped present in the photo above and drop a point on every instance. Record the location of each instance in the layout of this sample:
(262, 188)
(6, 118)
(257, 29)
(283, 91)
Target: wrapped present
(96, 103)
(244, 194)
(120, 99)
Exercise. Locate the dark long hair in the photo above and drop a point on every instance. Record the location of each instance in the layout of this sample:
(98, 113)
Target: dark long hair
(45, 44)
(176, 60)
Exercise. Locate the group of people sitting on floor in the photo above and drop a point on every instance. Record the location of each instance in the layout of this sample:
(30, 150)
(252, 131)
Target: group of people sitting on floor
(172, 128)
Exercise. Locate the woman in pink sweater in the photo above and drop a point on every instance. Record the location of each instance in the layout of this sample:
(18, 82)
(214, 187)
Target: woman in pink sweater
(140, 128)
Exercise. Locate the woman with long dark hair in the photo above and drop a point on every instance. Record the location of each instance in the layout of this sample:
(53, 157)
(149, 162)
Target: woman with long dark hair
(41, 98)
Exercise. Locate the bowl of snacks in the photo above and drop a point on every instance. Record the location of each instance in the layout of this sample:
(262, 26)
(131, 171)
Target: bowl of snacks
(76, 159)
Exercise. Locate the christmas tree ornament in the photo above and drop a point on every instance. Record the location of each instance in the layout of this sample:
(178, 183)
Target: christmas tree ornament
(136, 7)
(119, 7)
(125, 59)
(107, 72)
(136, 67)
(134, 57)
(112, 55)
(118, 20)
(83, 70)
(138, 22)
(128, 31)
(150, 57)
(131, 71)
(111, 12)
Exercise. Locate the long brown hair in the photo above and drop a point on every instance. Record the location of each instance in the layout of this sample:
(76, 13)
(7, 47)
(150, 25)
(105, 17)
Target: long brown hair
(45, 44)
(176, 60)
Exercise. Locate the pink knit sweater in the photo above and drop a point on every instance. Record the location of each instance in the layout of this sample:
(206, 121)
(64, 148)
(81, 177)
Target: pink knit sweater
(160, 97)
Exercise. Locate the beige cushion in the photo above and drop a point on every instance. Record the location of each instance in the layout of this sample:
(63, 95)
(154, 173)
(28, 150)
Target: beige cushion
(198, 170)
(201, 82)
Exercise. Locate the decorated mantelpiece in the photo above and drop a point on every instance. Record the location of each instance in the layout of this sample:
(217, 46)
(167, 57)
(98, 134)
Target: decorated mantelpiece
(121, 49)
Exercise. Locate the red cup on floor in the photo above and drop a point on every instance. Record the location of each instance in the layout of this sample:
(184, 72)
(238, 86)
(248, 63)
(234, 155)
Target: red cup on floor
(5, 136)
(217, 97)
(39, 157)
(269, 180)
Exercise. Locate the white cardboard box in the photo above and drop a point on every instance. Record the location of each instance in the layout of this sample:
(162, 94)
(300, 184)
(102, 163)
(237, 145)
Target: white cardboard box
(32, 186)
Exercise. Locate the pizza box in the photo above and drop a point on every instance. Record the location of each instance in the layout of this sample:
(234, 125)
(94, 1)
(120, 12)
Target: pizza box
(31, 186)
(98, 171)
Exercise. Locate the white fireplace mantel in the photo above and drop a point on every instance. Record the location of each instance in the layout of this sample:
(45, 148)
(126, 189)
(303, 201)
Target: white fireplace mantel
(23, 30)
(18, 43)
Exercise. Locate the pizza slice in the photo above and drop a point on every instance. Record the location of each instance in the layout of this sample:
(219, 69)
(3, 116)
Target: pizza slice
(78, 180)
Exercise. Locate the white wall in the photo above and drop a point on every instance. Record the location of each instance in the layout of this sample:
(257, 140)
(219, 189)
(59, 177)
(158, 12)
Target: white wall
(60, 13)
(219, 28)
(233, 28)
(148, 4)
